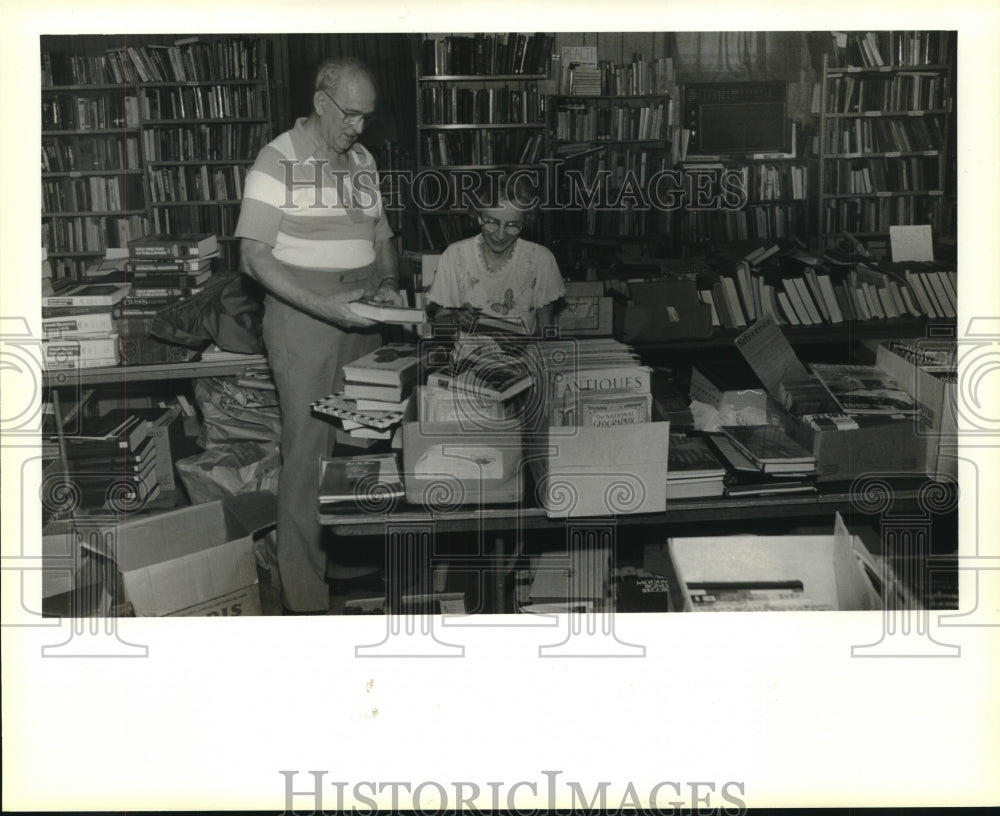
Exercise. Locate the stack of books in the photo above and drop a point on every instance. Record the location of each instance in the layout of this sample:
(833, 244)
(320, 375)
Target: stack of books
(861, 389)
(377, 391)
(487, 369)
(80, 326)
(761, 460)
(163, 270)
(113, 463)
(693, 470)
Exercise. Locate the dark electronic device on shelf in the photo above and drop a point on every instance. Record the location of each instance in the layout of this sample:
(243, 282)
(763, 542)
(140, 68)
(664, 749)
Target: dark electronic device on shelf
(737, 117)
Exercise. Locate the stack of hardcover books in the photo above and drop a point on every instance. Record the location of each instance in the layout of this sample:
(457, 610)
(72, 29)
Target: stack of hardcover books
(762, 459)
(80, 326)
(693, 470)
(163, 270)
(377, 391)
(112, 462)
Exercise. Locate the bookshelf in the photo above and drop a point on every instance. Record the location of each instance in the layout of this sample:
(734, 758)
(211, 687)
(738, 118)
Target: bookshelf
(479, 112)
(606, 149)
(152, 137)
(885, 135)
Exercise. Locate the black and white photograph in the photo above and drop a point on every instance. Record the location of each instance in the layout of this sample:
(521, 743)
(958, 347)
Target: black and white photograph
(411, 411)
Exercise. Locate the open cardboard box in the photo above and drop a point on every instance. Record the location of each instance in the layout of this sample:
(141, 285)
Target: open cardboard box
(197, 560)
(780, 573)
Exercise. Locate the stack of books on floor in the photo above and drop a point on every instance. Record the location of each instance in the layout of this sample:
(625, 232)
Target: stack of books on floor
(80, 326)
(163, 270)
(377, 391)
(693, 470)
(368, 482)
(762, 460)
(112, 463)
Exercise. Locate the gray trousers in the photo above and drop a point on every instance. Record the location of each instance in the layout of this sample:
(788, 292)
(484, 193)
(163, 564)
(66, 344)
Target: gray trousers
(306, 357)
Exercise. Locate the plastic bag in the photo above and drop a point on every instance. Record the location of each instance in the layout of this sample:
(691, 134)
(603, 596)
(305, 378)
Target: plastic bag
(231, 412)
(228, 470)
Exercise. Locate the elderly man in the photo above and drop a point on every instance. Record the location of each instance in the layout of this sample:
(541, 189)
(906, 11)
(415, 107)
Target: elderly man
(314, 235)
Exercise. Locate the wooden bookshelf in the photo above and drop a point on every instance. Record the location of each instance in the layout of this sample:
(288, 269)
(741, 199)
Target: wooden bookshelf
(479, 109)
(154, 137)
(886, 125)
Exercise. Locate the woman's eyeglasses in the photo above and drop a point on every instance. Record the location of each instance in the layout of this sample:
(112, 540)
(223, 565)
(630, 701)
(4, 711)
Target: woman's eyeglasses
(492, 225)
(351, 118)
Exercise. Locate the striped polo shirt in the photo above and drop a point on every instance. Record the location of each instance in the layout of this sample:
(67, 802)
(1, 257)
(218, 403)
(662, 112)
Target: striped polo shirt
(311, 215)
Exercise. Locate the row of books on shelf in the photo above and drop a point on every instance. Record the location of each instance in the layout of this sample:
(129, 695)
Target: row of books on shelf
(874, 49)
(486, 54)
(578, 122)
(613, 223)
(92, 193)
(107, 153)
(187, 59)
(912, 91)
(483, 147)
(92, 233)
(640, 77)
(799, 290)
(203, 102)
(451, 104)
(196, 183)
(876, 214)
(773, 182)
(207, 142)
(219, 219)
(889, 135)
(753, 222)
(903, 174)
(67, 112)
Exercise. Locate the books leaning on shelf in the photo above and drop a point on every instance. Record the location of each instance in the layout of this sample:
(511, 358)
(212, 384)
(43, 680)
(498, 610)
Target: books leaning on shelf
(387, 313)
(358, 480)
(860, 389)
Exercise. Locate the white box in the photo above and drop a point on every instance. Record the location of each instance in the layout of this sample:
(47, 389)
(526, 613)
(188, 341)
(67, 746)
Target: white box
(836, 571)
(583, 471)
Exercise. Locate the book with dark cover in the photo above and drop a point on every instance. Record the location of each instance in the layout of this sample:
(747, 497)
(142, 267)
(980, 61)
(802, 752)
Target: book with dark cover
(642, 591)
(359, 479)
(690, 457)
(860, 389)
(770, 448)
(109, 434)
(393, 364)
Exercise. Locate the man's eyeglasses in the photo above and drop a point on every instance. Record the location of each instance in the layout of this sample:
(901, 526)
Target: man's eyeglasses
(492, 225)
(351, 118)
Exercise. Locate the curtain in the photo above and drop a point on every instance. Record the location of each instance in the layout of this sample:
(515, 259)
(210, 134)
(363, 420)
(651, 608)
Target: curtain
(389, 56)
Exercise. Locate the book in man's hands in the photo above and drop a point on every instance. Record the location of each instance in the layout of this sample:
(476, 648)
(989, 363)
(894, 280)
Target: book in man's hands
(359, 479)
(386, 312)
(860, 389)
(391, 364)
(770, 449)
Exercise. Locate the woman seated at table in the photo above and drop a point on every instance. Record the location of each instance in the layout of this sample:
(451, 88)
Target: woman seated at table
(497, 273)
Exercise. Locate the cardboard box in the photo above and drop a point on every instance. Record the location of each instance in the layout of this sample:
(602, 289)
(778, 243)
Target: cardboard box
(936, 424)
(877, 444)
(73, 582)
(195, 560)
(445, 463)
(654, 311)
(776, 573)
(581, 471)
